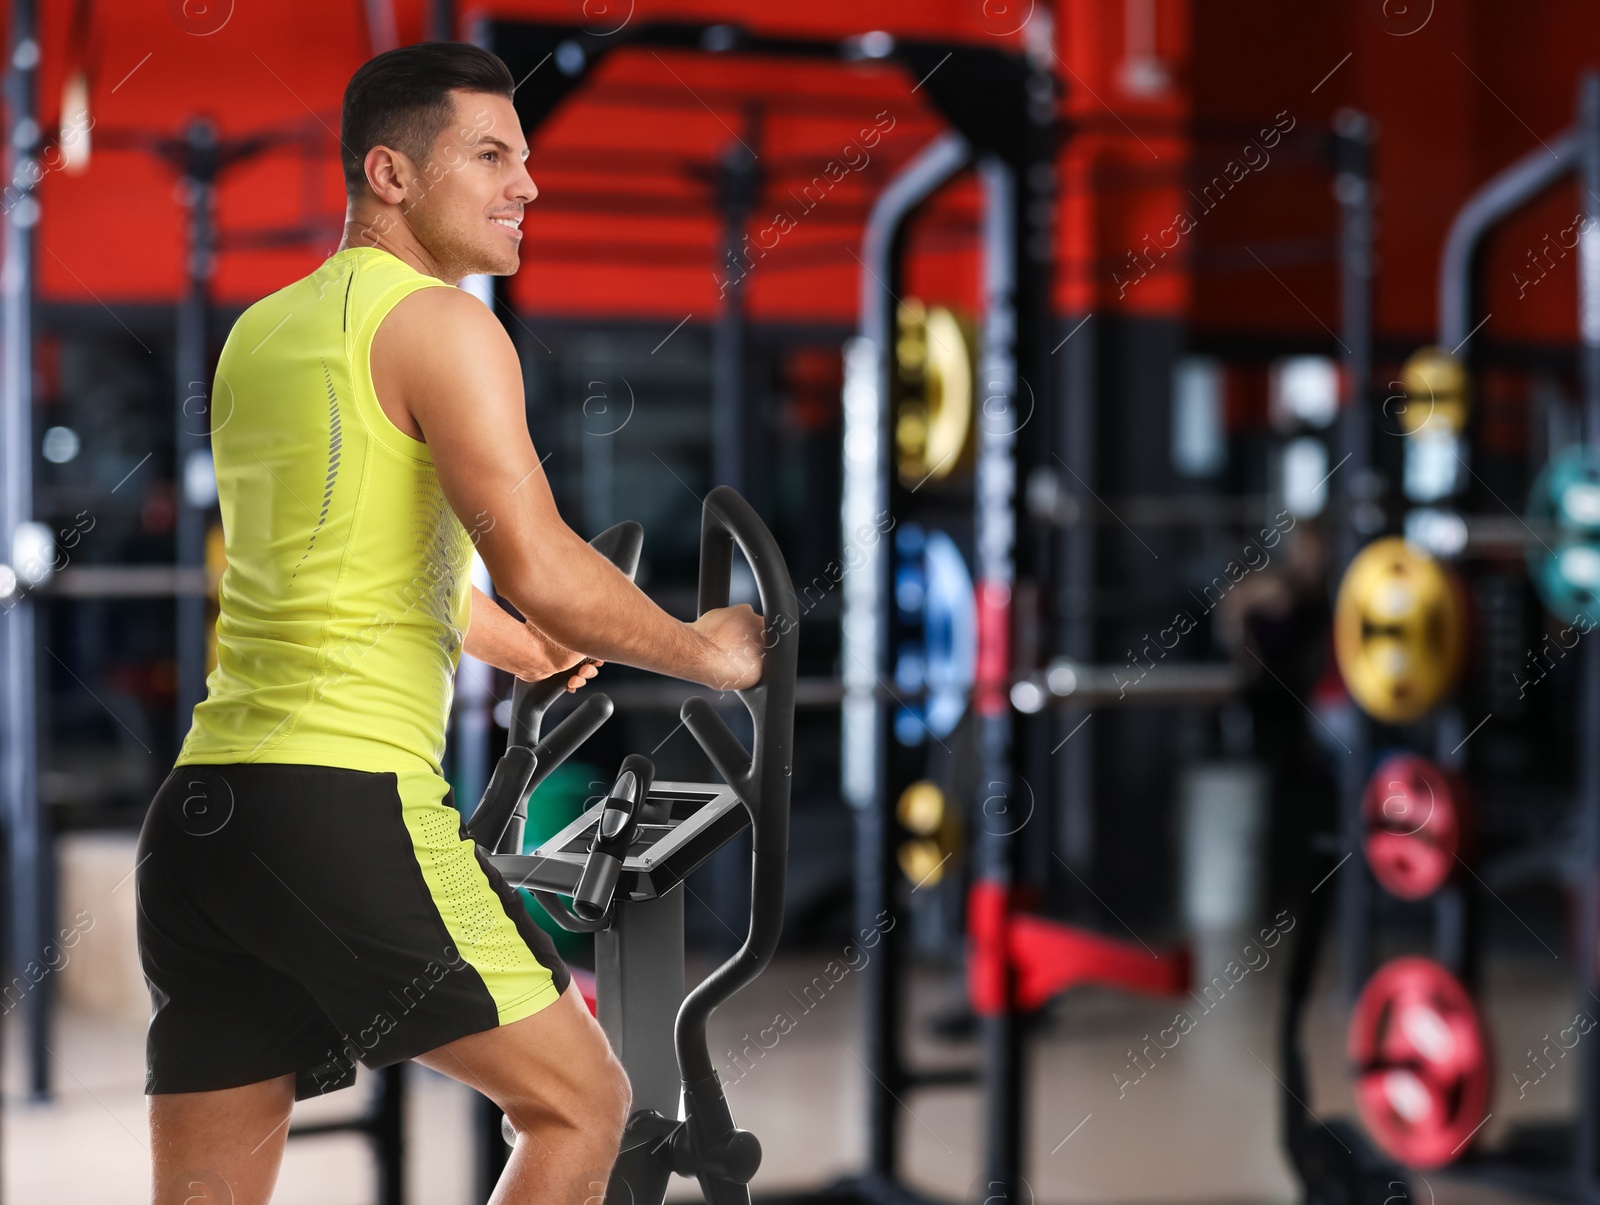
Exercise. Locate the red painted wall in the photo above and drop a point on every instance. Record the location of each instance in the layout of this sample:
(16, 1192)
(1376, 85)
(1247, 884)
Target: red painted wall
(1162, 96)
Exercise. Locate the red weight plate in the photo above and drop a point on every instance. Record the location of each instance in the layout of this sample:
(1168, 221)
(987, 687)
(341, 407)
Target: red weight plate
(1412, 814)
(1421, 1062)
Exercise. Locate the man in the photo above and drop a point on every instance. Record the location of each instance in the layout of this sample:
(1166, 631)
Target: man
(306, 897)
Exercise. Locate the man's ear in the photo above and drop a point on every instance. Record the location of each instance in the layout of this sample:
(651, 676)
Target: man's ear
(387, 174)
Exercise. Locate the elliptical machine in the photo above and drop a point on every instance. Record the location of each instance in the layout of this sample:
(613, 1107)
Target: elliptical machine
(622, 861)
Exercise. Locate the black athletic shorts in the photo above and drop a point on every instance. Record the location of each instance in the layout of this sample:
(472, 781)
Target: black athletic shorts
(297, 918)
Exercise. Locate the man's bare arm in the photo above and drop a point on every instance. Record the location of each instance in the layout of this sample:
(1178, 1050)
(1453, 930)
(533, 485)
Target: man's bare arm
(496, 637)
(463, 386)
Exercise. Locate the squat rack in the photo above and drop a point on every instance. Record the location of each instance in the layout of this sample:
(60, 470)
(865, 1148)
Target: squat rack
(1001, 107)
(1571, 1167)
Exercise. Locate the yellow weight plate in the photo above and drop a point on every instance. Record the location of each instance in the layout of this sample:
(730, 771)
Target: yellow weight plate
(1398, 631)
(922, 861)
(921, 808)
(934, 371)
(924, 810)
(1436, 392)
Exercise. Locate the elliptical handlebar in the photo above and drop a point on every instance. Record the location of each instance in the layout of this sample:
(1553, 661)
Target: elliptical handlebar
(761, 780)
(704, 1143)
(723, 1157)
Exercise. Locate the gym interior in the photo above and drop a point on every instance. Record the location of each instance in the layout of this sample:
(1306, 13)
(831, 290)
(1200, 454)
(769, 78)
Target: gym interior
(1162, 438)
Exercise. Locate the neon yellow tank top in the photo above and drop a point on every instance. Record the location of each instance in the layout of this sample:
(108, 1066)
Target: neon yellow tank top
(347, 589)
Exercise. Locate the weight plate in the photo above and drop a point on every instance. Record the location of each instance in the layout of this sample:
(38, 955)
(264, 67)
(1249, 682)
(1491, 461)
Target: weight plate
(1564, 555)
(938, 612)
(1421, 1062)
(1398, 631)
(933, 371)
(1412, 813)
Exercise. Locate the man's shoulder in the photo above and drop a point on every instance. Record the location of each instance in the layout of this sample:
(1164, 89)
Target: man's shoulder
(433, 343)
(448, 318)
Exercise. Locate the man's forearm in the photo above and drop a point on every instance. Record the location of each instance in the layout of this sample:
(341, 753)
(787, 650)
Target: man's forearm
(581, 599)
(493, 635)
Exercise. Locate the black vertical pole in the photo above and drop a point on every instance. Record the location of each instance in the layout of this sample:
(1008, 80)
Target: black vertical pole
(441, 20)
(1586, 1144)
(389, 1134)
(192, 432)
(1078, 432)
(28, 840)
(1352, 187)
(1037, 564)
(738, 187)
(1016, 427)
(995, 846)
(864, 638)
(876, 873)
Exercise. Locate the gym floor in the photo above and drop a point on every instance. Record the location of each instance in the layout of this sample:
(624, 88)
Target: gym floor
(1201, 1125)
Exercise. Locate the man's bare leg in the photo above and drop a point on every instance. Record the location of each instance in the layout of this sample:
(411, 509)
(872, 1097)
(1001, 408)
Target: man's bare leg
(219, 1148)
(555, 1076)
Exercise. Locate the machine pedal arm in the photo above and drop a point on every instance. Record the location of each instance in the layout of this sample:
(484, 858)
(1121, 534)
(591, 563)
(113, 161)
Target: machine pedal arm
(711, 1148)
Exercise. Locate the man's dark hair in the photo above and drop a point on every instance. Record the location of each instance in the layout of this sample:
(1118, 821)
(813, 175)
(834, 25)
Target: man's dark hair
(401, 99)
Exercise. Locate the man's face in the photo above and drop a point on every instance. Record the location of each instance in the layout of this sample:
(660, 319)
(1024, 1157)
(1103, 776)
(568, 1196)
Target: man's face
(474, 175)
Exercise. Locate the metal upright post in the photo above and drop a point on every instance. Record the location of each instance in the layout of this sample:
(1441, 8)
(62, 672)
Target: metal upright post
(192, 446)
(738, 184)
(1586, 1139)
(738, 187)
(995, 526)
(1589, 259)
(28, 843)
(1352, 188)
(864, 632)
(388, 1130)
(639, 987)
(1039, 732)
(442, 21)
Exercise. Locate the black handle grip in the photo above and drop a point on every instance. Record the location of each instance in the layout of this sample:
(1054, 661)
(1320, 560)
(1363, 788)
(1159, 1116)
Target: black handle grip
(508, 787)
(613, 835)
(716, 557)
(576, 727)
